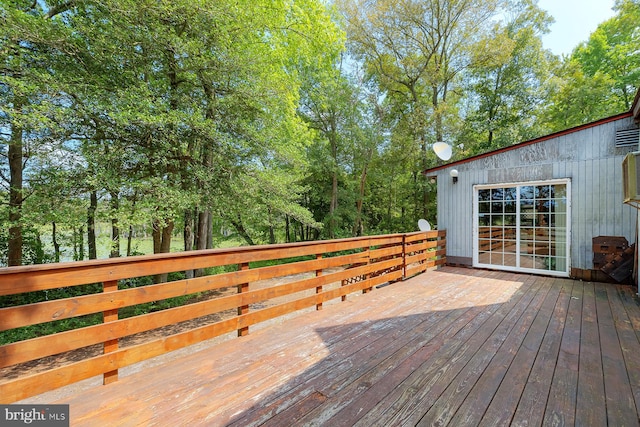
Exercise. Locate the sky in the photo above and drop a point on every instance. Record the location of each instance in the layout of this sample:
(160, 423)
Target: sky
(575, 21)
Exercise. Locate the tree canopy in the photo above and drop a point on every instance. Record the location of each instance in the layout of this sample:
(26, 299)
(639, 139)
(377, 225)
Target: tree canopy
(268, 121)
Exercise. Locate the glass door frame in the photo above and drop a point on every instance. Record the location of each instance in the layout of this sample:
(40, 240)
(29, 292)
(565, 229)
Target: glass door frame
(518, 228)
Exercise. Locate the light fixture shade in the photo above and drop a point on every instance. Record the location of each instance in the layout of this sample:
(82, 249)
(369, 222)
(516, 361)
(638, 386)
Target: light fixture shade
(454, 173)
(442, 150)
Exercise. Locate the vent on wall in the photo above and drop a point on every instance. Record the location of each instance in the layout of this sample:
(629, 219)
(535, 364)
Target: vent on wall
(627, 137)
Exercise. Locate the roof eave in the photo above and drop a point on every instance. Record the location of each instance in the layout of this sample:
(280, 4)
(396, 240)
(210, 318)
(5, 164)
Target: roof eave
(635, 112)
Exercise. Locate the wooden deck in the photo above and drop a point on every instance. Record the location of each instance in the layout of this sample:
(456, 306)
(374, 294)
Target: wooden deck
(456, 347)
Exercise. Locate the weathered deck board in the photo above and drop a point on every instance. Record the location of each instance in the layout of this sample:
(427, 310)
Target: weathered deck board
(626, 316)
(505, 400)
(450, 347)
(561, 404)
(590, 406)
(446, 406)
(621, 409)
(477, 401)
(424, 387)
(533, 401)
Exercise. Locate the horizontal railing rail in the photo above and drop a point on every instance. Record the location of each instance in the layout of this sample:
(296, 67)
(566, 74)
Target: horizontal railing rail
(301, 275)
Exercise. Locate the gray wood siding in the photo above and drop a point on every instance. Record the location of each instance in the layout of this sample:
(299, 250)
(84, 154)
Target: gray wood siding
(588, 157)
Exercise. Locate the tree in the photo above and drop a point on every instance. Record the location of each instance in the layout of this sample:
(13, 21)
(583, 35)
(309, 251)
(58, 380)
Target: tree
(31, 33)
(575, 98)
(505, 93)
(55, 202)
(416, 51)
(169, 104)
(600, 77)
(328, 105)
(612, 51)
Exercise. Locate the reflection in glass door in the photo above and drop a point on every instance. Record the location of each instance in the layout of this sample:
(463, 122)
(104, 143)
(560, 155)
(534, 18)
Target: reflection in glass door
(523, 227)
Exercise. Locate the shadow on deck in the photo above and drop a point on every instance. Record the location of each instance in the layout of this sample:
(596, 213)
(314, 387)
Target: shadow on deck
(449, 347)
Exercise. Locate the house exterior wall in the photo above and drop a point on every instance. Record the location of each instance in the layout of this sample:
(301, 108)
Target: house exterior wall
(588, 157)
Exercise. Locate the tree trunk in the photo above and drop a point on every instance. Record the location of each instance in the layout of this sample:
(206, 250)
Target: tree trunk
(333, 205)
(129, 240)
(161, 243)
(272, 234)
(196, 229)
(162, 236)
(493, 109)
(14, 254)
(167, 231)
(81, 243)
(115, 229)
(207, 150)
(419, 183)
(357, 226)
(287, 232)
(131, 231)
(332, 136)
(187, 234)
(201, 233)
(75, 244)
(91, 225)
(209, 230)
(439, 137)
(203, 227)
(54, 239)
(242, 231)
(156, 235)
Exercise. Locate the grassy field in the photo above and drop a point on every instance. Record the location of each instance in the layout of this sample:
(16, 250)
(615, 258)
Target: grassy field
(139, 246)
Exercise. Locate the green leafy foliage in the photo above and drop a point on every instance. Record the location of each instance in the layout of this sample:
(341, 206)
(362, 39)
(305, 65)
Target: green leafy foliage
(507, 88)
(268, 121)
(601, 76)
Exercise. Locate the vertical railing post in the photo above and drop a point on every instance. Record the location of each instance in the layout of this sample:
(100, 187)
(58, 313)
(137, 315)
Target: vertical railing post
(244, 309)
(444, 246)
(425, 252)
(319, 288)
(368, 275)
(404, 256)
(110, 345)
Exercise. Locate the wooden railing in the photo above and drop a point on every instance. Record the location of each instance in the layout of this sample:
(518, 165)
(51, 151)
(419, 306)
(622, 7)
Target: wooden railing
(323, 270)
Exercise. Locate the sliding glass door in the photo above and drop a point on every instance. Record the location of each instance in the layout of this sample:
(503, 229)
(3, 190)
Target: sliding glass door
(523, 227)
